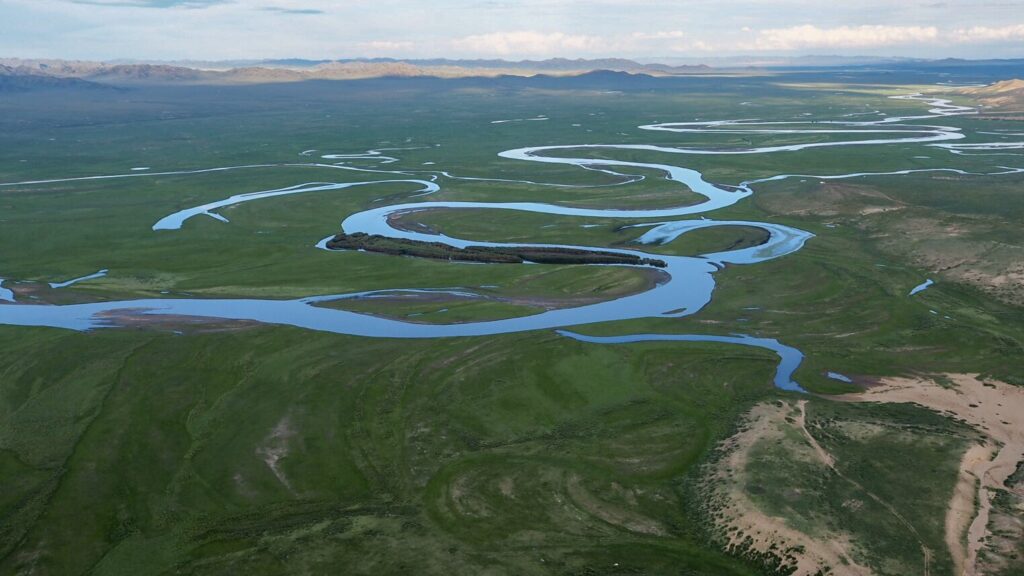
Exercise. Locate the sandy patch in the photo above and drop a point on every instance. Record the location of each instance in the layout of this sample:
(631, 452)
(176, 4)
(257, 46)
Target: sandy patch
(507, 487)
(801, 422)
(747, 530)
(829, 461)
(275, 448)
(879, 210)
(961, 506)
(995, 409)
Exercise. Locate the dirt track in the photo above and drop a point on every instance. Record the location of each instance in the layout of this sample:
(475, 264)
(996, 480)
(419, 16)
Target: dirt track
(993, 408)
(751, 530)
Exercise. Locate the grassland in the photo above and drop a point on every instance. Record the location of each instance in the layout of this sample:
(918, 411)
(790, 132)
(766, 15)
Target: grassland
(193, 448)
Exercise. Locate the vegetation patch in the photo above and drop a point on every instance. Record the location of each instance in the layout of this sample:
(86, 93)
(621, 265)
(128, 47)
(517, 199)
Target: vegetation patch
(484, 254)
(810, 486)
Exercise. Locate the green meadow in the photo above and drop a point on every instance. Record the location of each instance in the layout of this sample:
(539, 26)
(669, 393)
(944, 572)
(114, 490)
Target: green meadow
(200, 447)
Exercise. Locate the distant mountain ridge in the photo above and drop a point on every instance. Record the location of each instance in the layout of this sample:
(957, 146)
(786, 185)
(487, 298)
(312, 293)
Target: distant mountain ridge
(28, 74)
(272, 71)
(22, 79)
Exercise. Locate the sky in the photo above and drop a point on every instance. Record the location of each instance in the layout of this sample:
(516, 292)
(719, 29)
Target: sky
(509, 29)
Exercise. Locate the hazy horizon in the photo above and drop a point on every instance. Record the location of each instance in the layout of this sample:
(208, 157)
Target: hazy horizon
(738, 60)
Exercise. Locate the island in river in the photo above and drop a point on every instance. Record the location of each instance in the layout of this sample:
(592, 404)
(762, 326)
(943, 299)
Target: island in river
(485, 254)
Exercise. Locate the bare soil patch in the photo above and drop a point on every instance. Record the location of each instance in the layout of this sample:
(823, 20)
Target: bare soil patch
(997, 410)
(746, 530)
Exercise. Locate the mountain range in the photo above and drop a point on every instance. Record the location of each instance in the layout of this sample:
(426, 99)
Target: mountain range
(43, 73)
(33, 74)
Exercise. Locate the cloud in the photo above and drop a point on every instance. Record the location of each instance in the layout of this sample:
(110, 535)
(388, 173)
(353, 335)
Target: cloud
(387, 46)
(281, 10)
(663, 41)
(663, 35)
(809, 36)
(153, 3)
(527, 43)
(989, 34)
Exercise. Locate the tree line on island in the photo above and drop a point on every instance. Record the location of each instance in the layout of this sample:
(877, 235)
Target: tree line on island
(484, 254)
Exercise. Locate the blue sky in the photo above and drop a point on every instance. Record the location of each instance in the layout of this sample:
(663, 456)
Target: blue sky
(643, 29)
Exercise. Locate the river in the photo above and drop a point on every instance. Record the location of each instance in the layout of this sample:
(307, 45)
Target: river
(690, 280)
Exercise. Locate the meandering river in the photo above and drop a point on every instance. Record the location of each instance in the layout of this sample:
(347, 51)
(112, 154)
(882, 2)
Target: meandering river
(690, 280)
